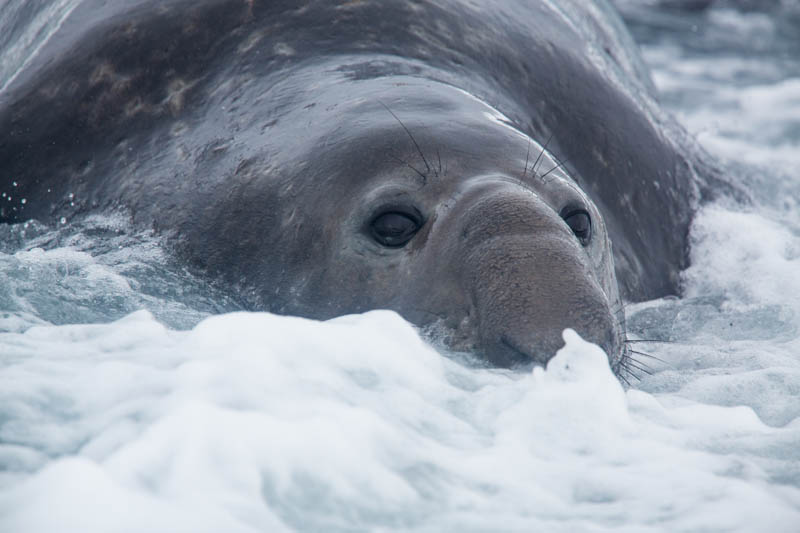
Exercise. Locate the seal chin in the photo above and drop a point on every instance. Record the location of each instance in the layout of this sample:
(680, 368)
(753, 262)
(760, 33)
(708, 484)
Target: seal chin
(516, 351)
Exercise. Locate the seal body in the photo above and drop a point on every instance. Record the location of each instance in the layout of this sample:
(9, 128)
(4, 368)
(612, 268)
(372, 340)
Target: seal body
(466, 164)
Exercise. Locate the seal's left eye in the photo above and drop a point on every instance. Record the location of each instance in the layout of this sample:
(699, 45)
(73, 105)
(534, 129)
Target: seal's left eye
(580, 223)
(394, 229)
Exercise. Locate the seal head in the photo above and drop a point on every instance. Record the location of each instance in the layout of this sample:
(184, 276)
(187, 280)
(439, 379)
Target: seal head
(412, 195)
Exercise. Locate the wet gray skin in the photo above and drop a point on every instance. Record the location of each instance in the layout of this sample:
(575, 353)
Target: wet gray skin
(467, 165)
(487, 256)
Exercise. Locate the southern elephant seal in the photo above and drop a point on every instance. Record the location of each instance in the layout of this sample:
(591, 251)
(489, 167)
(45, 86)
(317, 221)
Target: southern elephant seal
(467, 164)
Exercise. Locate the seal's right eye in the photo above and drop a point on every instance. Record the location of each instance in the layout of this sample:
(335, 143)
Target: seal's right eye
(394, 229)
(580, 223)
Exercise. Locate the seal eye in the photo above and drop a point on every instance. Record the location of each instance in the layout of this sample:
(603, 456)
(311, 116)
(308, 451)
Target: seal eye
(580, 223)
(394, 229)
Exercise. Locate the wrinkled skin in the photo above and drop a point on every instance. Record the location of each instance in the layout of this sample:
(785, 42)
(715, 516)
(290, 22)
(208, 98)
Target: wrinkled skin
(264, 140)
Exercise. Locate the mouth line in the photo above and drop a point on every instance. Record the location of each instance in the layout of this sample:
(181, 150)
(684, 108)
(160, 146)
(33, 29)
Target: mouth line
(523, 358)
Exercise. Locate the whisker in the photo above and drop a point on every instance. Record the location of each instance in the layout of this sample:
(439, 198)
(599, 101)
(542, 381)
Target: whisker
(640, 366)
(527, 155)
(626, 361)
(536, 163)
(413, 140)
(559, 165)
(650, 356)
(409, 165)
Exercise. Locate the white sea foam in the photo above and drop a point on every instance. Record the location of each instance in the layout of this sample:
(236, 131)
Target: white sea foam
(254, 422)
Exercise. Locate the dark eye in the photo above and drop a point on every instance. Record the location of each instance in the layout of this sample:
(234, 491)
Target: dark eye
(393, 229)
(580, 223)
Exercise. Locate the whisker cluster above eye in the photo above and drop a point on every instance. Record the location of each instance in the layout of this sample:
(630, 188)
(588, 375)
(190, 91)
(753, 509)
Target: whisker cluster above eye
(416, 145)
(538, 158)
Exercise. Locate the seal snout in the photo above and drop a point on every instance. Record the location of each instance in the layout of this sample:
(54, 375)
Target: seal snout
(531, 278)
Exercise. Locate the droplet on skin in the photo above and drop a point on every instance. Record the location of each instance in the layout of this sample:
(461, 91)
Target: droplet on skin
(63, 220)
(23, 201)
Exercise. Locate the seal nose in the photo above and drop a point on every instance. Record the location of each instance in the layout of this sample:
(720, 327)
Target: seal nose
(537, 288)
(530, 279)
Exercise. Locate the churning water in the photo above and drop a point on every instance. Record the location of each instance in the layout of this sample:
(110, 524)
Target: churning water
(130, 400)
